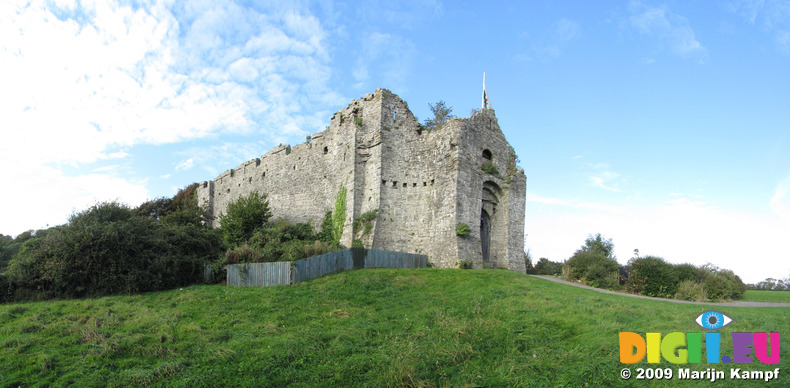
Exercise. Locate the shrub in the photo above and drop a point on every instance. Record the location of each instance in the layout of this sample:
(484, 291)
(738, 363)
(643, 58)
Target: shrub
(592, 268)
(546, 267)
(465, 264)
(243, 217)
(692, 291)
(356, 243)
(690, 272)
(243, 254)
(99, 254)
(6, 289)
(101, 213)
(489, 168)
(327, 233)
(282, 241)
(462, 230)
(652, 276)
(723, 284)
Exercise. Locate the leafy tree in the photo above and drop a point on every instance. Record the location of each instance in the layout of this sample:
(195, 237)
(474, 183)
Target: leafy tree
(441, 113)
(244, 216)
(528, 263)
(182, 209)
(594, 263)
(102, 212)
(597, 244)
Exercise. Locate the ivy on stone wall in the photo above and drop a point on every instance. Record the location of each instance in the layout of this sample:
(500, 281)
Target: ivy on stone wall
(339, 215)
(365, 221)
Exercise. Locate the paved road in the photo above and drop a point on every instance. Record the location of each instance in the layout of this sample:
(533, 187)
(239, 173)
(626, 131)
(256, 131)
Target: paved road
(737, 303)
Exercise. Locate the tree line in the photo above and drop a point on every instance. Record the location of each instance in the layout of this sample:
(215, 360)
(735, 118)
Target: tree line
(594, 264)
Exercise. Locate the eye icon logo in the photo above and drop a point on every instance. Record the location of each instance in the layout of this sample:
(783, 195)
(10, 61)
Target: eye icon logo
(712, 320)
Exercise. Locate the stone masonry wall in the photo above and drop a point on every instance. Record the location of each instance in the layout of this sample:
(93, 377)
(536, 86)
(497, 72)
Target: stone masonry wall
(422, 184)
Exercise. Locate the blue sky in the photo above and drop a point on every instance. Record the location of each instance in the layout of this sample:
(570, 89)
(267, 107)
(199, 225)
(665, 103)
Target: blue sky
(663, 125)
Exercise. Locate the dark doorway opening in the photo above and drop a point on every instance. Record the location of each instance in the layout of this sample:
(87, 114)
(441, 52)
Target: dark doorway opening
(485, 235)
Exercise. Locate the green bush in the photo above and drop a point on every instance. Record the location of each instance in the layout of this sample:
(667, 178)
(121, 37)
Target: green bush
(652, 276)
(6, 289)
(283, 241)
(462, 230)
(546, 267)
(465, 264)
(592, 268)
(104, 250)
(243, 254)
(489, 168)
(692, 291)
(690, 272)
(244, 216)
(723, 284)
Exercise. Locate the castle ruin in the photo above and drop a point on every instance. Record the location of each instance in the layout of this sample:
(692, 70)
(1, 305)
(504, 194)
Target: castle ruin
(421, 184)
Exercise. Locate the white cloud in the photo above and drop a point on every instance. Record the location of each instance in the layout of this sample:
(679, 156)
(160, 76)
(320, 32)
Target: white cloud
(84, 81)
(47, 197)
(679, 230)
(672, 30)
(772, 15)
(185, 164)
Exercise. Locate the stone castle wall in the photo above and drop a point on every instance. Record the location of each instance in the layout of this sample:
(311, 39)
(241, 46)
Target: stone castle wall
(422, 184)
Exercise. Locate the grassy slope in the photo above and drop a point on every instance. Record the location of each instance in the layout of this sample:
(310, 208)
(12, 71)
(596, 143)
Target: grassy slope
(767, 296)
(371, 327)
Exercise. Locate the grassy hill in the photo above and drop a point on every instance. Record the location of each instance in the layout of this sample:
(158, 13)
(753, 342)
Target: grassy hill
(379, 327)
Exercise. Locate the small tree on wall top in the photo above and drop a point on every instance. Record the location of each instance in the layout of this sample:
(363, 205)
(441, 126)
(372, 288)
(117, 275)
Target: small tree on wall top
(441, 113)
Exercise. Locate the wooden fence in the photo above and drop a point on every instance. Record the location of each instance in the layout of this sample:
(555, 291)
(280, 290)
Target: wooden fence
(287, 272)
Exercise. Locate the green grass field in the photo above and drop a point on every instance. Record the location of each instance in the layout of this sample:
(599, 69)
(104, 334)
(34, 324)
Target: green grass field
(767, 296)
(379, 327)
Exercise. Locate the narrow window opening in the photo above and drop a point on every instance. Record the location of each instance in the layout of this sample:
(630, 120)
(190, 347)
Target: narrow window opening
(394, 183)
(405, 184)
(383, 182)
(487, 154)
(425, 183)
(326, 150)
(413, 185)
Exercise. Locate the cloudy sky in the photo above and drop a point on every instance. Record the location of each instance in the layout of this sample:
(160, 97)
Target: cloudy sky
(663, 125)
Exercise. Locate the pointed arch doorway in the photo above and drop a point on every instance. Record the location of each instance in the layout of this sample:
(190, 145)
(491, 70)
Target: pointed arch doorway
(490, 199)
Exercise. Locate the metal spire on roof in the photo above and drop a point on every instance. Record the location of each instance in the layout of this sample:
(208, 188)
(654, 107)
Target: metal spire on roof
(486, 101)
